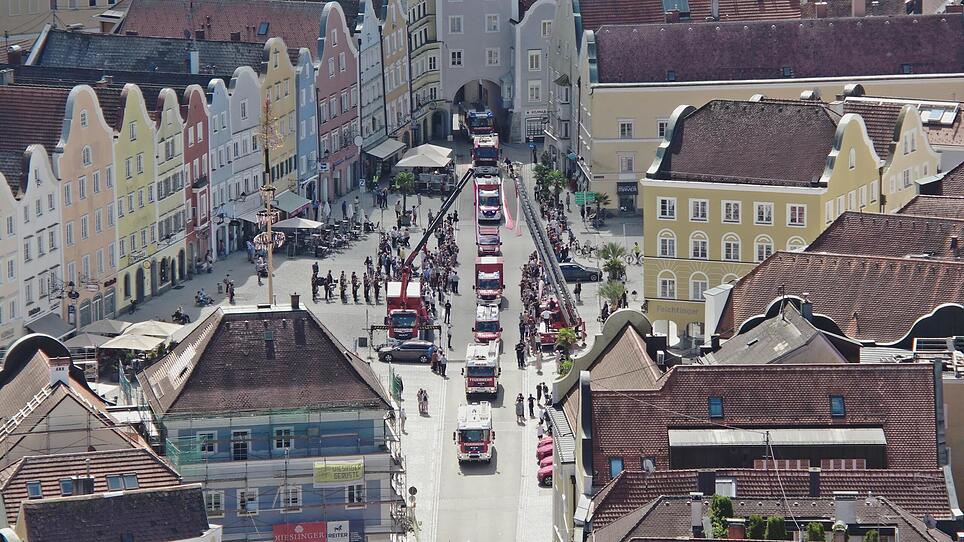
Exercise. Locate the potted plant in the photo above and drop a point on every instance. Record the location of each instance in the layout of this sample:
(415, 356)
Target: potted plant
(612, 292)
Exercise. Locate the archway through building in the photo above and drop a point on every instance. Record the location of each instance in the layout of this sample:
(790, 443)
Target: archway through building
(479, 94)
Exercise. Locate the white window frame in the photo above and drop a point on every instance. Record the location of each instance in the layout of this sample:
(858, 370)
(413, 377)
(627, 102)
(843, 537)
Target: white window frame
(452, 57)
(210, 496)
(456, 20)
(493, 53)
(622, 124)
(670, 237)
(727, 253)
(828, 210)
(693, 281)
(244, 496)
(286, 503)
(874, 191)
(661, 126)
(290, 438)
(355, 495)
(790, 212)
(498, 23)
(666, 284)
(546, 28)
(757, 205)
(213, 441)
(699, 203)
(534, 89)
(659, 208)
(726, 215)
(535, 60)
(622, 157)
(759, 242)
(698, 238)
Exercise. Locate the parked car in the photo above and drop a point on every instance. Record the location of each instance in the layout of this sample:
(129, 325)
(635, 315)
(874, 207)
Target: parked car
(412, 350)
(545, 475)
(544, 451)
(576, 272)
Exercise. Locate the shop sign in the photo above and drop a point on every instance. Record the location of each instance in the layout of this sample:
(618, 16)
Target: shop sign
(627, 189)
(300, 532)
(341, 471)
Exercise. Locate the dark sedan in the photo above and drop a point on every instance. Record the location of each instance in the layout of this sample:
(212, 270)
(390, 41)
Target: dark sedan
(576, 272)
(413, 350)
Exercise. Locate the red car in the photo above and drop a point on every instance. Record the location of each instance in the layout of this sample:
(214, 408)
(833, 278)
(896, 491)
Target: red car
(544, 451)
(545, 475)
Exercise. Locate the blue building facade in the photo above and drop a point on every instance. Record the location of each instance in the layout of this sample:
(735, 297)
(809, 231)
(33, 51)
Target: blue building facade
(307, 115)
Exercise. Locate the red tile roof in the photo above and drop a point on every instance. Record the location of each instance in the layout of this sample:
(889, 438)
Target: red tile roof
(870, 298)
(297, 23)
(880, 120)
(716, 132)
(936, 206)
(668, 517)
(596, 13)
(151, 472)
(918, 492)
(952, 184)
(28, 115)
(761, 50)
(899, 399)
(255, 360)
(899, 235)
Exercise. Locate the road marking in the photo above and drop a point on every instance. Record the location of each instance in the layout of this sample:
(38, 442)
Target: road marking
(525, 464)
(437, 483)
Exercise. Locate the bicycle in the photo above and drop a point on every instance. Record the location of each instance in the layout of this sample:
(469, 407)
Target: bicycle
(634, 258)
(588, 249)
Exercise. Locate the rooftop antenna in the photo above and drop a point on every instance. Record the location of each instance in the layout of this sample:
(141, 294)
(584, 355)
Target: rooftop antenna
(782, 292)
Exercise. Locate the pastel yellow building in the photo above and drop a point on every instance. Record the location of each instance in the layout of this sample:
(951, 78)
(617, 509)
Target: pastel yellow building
(631, 78)
(167, 195)
(734, 181)
(278, 90)
(135, 172)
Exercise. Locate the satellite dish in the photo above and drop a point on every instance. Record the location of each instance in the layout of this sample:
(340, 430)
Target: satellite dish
(648, 465)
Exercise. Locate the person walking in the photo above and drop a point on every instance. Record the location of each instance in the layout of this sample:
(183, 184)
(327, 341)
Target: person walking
(455, 283)
(545, 393)
(435, 361)
(520, 409)
(343, 287)
(443, 362)
(532, 404)
(539, 393)
(448, 311)
(448, 331)
(354, 287)
(520, 354)
(578, 292)
(401, 419)
(378, 287)
(367, 288)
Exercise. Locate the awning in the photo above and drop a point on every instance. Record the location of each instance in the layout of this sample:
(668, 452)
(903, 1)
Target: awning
(386, 148)
(51, 324)
(250, 216)
(837, 436)
(290, 202)
(423, 160)
(562, 80)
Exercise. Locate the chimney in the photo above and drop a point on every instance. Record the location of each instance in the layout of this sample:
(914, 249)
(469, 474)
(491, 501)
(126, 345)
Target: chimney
(15, 54)
(706, 482)
(672, 16)
(59, 370)
(235, 36)
(795, 4)
(715, 9)
(735, 528)
(806, 308)
(199, 34)
(295, 304)
(844, 508)
(858, 8)
(820, 10)
(696, 514)
(714, 342)
(814, 481)
(6, 77)
(954, 8)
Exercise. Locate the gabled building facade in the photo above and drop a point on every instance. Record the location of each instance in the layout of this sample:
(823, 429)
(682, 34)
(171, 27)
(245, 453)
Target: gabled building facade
(168, 229)
(278, 98)
(712, 216)
(307, 126)
(197, 185)
(241, 200)
(395, 59)
(425, 53)
(532, 82)
(84, 160)
(319, 453)
(220, 113)
(11, 317)
(338, 120)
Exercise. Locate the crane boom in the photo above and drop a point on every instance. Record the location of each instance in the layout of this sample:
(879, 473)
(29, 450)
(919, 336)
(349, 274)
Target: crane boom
(407, 265)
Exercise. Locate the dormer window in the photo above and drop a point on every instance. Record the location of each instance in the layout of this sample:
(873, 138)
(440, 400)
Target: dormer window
(787, 71)
(670, 75)
(906, 69)
(34, 490)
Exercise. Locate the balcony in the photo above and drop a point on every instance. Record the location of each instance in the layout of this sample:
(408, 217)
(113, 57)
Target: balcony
(200, 182)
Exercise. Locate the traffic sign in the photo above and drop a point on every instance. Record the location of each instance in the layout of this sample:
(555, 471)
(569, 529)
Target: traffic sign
(532, 145)
(582, 198)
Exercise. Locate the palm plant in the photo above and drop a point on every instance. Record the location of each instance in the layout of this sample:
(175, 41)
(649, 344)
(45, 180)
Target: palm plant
(602, 200)
(612, 251)
(556, 182)
(612, 291)
(616, 269)
(404, 184)
(565, 339)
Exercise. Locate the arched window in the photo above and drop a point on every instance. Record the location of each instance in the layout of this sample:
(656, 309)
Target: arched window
(699, 246)
(698, 284)
(731, 247)
(852, 161)
(764, 247)
(796, 244)
(667, 284)
(85, 155)
(667, 244)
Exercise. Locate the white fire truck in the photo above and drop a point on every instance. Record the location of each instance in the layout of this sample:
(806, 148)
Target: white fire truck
(474, 438)
(482, 368)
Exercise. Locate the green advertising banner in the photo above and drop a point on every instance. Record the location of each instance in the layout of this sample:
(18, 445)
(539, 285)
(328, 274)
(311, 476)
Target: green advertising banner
(339, 471)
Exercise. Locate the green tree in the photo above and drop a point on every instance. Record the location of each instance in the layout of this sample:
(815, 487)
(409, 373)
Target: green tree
(872, 536)
(545, 159)
(756, 527)
(405, 185)
(815, 532)
(602, 200)
(776, 528)
(612, 291)
(556, 182)
(615, 267)
(612, 251)
(721, 508)
(566, 339)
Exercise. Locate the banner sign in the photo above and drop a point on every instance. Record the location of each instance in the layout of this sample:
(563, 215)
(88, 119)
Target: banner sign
(316, 531)
(339, 472)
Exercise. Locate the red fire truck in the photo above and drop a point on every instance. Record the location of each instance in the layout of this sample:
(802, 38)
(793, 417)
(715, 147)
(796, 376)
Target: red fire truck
(485, 150)
(482, 368)
(474, 438)
(489, 281)
(406, 313)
